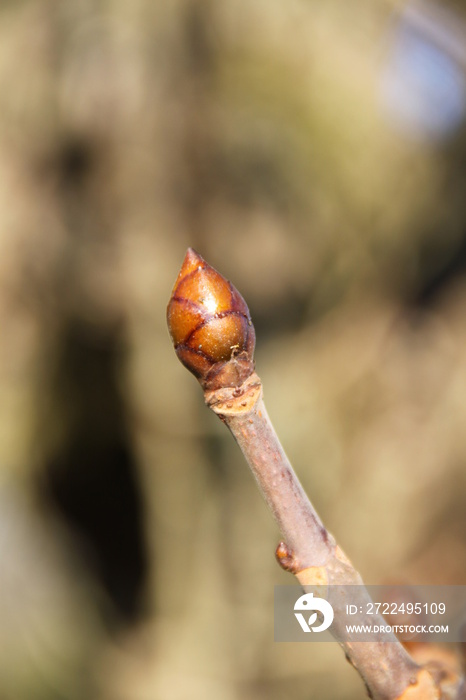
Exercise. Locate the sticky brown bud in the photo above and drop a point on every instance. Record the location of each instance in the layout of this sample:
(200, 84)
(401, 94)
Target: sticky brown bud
(210, 325)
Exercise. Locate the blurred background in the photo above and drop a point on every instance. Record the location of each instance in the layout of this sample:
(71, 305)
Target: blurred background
(314, 153)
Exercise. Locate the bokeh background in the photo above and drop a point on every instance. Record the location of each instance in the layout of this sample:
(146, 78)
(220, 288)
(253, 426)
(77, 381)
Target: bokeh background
(315, 154)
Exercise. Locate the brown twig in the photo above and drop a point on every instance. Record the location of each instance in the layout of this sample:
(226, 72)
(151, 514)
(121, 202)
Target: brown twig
(213, 336)
(310, 552)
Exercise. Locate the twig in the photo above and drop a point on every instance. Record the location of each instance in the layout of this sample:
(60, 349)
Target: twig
(213, 336)
(310, 552)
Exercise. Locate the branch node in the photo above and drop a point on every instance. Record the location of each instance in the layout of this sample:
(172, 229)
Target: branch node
(423, 687)
(234, 401)
(313, 576)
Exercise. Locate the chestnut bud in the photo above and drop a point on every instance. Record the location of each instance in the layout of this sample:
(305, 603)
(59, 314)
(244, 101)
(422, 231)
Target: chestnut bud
(210, 325)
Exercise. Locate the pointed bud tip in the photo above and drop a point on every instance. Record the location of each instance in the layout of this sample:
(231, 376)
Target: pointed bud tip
(192, 261)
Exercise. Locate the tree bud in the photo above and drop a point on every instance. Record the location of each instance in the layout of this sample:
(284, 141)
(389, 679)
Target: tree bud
(210, 325)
